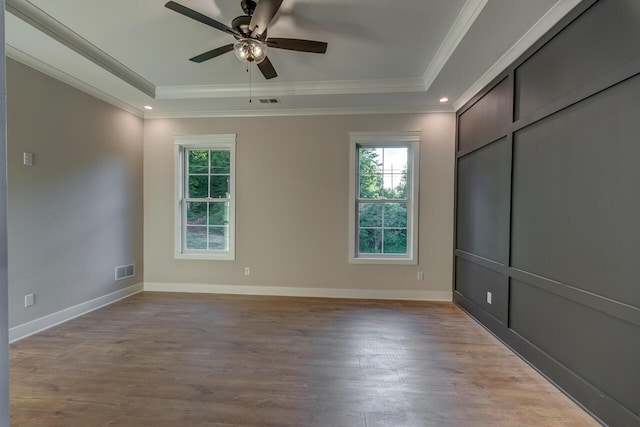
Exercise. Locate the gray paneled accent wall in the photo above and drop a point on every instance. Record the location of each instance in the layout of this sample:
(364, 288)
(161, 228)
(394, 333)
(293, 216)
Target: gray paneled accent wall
(483, 215)
(548, 208)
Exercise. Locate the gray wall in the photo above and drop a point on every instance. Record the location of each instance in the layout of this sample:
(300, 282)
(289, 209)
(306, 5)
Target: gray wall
(77, 212)
(547, 207)
(4, 324)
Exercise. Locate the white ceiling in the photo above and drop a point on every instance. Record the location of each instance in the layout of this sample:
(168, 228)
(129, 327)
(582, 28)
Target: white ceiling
(383, 56)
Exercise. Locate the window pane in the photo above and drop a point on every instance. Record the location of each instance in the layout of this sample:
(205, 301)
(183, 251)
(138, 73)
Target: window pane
(218, 238)
(395, 214)
(370, 160)
(219, 187)
(196, 213)
(395, 186)
(370, 173)
(395, 241)
(198, 186)
(196, 237)
(370, 241)
(370, 214)
(198, 161)
(219, 213)
(220, 162)
(370, 186)
(395, 161)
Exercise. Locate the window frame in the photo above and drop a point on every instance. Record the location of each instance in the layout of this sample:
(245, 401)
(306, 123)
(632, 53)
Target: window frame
(202, 142)
(410, 139)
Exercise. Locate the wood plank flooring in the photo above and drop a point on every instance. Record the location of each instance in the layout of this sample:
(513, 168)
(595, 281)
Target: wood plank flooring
(178, 360)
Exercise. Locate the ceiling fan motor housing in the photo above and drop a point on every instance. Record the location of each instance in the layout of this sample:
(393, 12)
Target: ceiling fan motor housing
(248, 6)
(241, 24)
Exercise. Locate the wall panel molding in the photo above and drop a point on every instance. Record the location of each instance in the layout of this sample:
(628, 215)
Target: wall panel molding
(618, 309)
(484, 262)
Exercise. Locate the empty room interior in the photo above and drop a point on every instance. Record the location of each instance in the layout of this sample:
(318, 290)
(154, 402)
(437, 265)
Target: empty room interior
(320, 213)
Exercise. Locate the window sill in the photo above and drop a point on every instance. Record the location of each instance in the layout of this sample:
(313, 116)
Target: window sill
(390, 261)
(206, 257)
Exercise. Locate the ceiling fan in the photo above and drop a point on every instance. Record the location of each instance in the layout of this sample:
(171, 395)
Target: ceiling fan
(250, 32)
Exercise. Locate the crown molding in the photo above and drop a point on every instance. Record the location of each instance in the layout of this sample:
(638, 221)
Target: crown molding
(539, 29)
(30, 61)
(44, 22)
(336, 87)
(298, 112)
(465, 19)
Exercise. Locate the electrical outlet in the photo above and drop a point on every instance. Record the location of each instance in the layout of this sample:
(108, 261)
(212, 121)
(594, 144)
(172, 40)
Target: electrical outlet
(247, 271)
(489, 297)
(27, 159)
(420, 275)
(28, 300)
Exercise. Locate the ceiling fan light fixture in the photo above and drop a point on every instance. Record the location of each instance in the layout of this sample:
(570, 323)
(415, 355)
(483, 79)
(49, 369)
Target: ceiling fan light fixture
(250, 50)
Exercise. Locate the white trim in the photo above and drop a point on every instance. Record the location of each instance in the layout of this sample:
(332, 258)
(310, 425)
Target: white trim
(465, 19)
(43, 67)
(412, 138)
(205, 141)
(417, 295)
(338, 111)
(382, 137)
(336, 87)
(44, 22)
(224, 140)
(539, 29)
(38, 325)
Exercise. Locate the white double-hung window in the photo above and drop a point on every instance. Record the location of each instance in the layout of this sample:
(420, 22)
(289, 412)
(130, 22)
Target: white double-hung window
(205, 196)
(383, 210)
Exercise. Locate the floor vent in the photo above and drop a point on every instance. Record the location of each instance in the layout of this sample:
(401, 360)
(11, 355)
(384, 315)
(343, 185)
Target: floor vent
(269, 101)
(125, 271)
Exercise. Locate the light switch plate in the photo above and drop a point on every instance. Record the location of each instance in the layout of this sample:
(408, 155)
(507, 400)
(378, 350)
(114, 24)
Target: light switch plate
(27, 159)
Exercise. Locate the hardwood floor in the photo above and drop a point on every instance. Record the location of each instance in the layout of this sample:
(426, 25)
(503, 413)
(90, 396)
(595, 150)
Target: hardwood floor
(201, 360)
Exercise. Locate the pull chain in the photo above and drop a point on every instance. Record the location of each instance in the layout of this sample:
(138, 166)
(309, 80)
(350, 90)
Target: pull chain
(249, 71)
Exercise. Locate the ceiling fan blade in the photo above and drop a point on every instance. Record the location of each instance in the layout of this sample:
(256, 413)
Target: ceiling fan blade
(298, 45)
(190, 13)
(212, 54)
(262, 16)
(267, 69)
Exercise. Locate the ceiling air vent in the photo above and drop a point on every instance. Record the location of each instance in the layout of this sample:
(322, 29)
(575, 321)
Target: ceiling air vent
(269, 101)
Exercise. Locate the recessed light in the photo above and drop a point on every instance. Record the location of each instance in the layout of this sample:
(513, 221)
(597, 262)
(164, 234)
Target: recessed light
(444, 99)
(148, 107)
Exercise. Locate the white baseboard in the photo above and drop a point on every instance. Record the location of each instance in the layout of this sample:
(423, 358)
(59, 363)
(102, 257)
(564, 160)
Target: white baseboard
(38, 325)
(300, 292)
